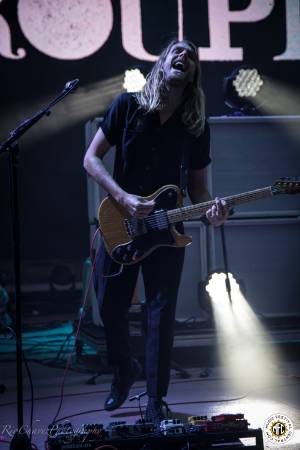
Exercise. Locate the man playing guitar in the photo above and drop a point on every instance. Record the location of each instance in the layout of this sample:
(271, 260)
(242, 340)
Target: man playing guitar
(161, 138)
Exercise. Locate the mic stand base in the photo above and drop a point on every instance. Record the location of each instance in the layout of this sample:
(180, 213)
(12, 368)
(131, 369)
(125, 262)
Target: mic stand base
(20, 441)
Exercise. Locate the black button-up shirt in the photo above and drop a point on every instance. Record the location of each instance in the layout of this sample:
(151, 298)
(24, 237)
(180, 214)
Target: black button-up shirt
(149, 155)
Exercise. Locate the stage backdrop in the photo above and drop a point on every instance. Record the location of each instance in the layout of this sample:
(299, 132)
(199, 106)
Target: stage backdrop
(45, 43)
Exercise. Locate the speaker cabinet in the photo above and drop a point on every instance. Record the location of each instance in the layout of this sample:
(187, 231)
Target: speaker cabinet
(194, 271)
(264, 255)
(252, 152)
(263, 237)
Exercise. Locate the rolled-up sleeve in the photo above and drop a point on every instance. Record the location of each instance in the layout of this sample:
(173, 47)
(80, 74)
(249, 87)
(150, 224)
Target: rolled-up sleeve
(114, 119)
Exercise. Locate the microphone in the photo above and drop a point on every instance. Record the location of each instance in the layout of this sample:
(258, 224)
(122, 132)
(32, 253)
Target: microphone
(71, 85)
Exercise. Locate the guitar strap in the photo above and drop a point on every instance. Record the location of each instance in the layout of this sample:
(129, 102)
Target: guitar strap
(184, 168)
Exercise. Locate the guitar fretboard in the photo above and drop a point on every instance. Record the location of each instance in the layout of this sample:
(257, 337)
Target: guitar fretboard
(198, 210)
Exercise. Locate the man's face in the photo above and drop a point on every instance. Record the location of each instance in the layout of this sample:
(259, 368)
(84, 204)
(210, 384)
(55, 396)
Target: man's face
(180, 65)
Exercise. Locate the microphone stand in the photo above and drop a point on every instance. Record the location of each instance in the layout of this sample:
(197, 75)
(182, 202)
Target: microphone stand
(224, 249)
(10, 145)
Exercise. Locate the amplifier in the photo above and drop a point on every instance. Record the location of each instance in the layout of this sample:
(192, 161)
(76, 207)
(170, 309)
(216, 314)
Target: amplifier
(252, 152)
(263, 254)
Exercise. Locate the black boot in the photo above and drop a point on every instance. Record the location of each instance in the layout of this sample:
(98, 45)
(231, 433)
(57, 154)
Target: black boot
(121, 385)
(156, 411)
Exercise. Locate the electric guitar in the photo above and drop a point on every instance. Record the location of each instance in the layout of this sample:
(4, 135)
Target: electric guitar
(129, 240)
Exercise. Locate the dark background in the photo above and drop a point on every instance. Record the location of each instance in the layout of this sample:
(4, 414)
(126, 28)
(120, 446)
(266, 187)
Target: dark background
(53, 198)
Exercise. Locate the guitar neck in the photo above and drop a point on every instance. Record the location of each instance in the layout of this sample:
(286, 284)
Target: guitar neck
(198, 210)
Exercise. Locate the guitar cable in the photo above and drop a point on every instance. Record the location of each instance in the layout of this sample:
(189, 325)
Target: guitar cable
(81, 315)
(115, 274)
(93, 259)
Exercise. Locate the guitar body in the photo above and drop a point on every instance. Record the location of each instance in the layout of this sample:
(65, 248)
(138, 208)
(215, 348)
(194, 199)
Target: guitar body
(129, 240)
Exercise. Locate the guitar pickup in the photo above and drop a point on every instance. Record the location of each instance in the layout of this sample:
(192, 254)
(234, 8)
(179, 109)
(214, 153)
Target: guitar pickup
(129, 227)
(135, 227)
(154, 222)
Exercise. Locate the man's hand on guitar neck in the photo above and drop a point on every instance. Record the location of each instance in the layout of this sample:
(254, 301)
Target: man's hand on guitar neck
(137, 206)
(218, 213)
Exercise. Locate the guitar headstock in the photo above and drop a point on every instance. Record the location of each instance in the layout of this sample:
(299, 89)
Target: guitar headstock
(286, 185)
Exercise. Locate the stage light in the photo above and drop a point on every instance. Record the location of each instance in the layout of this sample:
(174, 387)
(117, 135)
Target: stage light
(216, 286)
(247, 82)
(213, 290)
(61, 278)
(134, 80)
(247, 360)
(241, 88)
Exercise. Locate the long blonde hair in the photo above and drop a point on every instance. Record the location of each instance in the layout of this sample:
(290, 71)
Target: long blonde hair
(154, 93)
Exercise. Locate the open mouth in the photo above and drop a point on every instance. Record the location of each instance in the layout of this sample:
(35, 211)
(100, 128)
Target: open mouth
(178, 65)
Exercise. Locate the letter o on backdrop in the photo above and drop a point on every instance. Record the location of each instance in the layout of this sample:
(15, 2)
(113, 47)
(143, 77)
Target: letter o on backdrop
(68, 29)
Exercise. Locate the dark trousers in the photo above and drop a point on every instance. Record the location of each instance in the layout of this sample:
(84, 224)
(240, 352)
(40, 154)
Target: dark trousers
(161, 272)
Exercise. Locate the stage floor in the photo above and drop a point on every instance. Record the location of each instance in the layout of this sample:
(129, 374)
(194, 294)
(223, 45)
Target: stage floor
(206, 392)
